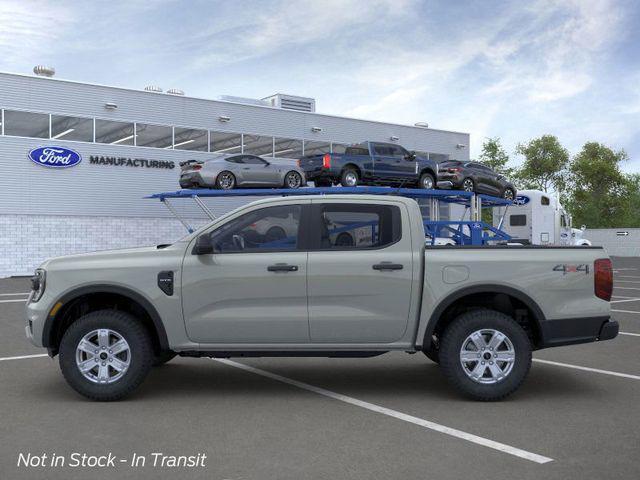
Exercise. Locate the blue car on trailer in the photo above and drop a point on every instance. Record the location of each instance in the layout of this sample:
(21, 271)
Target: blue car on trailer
(371, 163)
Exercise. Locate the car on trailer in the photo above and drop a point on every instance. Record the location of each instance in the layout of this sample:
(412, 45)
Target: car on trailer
(227, 172)
(371, 163)
(476, 177)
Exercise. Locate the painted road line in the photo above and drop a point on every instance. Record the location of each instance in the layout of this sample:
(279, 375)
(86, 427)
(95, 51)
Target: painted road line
(626, 288)
(23, 300)
(13, 294)
(22, 357)
(626, 281)
(587, 369)
(485, 442)
(630, 334)
(620, 296)
(624, 276)
(626, 300)
(625, 311)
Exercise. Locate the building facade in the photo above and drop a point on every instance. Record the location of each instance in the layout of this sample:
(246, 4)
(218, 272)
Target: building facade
(127, 144)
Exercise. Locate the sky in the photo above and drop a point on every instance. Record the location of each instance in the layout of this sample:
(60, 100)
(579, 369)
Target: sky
(514, 70)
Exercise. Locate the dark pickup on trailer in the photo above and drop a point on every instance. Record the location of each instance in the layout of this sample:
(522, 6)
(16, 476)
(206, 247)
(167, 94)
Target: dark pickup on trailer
(371, 163)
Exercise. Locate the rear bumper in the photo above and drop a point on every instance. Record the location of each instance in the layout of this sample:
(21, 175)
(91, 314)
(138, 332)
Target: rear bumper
(570, 331)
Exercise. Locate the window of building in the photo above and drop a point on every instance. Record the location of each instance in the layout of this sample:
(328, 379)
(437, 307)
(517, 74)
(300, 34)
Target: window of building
(157, 136)
(26, 124)
(316, 148)
(222, 142)
(258, 145)
(350, 226)
(287, 148)
(518, 220)
(264, 230)
(190, 139)
(114, 133)
(338, 148)
(72, 128)
(544, 200)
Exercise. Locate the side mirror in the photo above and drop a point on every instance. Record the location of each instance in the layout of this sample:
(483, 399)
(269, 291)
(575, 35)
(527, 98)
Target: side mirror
(203, 245)
(411, 156)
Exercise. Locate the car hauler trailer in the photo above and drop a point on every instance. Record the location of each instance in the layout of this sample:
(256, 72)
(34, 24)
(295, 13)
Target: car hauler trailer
(538, 218)
(457, 232)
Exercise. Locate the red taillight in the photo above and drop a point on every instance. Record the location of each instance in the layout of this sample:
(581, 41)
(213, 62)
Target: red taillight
(603, 280)
(326, 161)
(196, 167)
(454, 170)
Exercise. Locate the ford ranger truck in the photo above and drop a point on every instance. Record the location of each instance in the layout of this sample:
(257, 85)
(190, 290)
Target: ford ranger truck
(371, 163)
(230, 290)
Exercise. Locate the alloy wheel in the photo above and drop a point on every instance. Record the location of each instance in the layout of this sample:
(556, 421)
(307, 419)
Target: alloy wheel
(293, 180)
(467, 185)
(427, 182)
(351, 179)
(103, 356)
(487, 356)
(508, 194)
(226, 181)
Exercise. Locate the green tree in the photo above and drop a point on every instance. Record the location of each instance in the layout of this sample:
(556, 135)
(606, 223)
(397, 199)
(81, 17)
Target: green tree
(545, 164)
(600, 194)
(494, 156)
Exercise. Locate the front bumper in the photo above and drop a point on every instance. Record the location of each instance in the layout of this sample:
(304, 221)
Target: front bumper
(571, 331)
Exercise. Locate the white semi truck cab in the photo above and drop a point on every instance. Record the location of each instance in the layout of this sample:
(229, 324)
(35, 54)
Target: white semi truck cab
(538, 218)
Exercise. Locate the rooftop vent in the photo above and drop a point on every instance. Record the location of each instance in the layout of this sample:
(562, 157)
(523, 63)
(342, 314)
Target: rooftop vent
(422, 124)
(175, 91)
(43, 71)
(153, 88)
(291, 102)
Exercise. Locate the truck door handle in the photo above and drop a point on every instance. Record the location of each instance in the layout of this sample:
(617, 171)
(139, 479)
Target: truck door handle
(281, 267)
(388, 266)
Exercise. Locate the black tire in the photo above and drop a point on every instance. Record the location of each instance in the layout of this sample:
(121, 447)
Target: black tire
(347, 177)
(163, 357)
(322, 183)
(295, 185)
(468, 185)
(140, 347)
(509, 194)
(454, 339)
(427, 181)
(222, 183)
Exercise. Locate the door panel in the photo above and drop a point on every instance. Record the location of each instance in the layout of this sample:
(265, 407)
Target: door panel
(253, 288)
(350, 301)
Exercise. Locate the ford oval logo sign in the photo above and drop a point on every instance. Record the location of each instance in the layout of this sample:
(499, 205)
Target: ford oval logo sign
(521, 200)
(55, 157)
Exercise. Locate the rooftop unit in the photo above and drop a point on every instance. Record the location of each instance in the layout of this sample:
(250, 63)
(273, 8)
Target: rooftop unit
(291, 102)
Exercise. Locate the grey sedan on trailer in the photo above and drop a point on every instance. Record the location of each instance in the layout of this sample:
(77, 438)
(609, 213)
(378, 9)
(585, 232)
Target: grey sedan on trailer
(241, 170)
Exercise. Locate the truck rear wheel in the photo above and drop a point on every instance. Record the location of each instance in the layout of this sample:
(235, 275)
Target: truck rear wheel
(349, 178)
(105, 355)
(485, 354)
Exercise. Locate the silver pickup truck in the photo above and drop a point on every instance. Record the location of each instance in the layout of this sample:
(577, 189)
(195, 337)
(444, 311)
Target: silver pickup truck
(336, 276)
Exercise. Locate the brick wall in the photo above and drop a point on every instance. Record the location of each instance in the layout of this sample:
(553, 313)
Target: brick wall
(27, 240)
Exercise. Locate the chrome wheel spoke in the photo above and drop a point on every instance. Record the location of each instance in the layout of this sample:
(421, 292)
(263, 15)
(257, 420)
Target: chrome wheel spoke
(118, 364)
(103, 373)
(87, 365)
(95, 354)
(493, 358)
(119, 347)
(103, 338)
(88, 347)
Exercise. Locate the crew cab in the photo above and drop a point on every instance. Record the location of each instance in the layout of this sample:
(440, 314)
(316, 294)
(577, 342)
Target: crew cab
(231, 290)
(371, 163)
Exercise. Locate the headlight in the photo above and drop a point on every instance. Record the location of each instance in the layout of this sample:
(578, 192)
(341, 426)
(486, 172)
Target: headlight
(38, 282)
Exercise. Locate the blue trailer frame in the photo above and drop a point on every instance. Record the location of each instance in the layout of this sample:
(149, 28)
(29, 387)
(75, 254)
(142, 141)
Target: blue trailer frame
(479, 232)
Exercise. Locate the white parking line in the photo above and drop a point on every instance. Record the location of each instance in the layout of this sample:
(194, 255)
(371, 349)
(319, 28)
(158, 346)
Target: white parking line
(587, 369)
(13, 294)
(626, 281)
(624, 276)
(485, 442)
(22, 357)
(630, 334)
(625, 300)
(13, 300)
(626, 288)
(624, 311)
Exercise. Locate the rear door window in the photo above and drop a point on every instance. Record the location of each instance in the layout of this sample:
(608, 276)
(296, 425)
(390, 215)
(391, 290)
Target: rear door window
(355, 226)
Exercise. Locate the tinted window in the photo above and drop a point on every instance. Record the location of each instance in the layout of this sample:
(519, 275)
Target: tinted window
(257, 145)
(398, 151)
(157, 136)
(267, 229)
(190, 139)
(338, 148)
(357, 151)
(518, 220)
(253, 160)
(115, 133)
(383, 150)
(349, 226)
(71, 128)
(544, 201)
(238, 159)
(316, 148)
(26, 124)
(287, 148)
(222, 142)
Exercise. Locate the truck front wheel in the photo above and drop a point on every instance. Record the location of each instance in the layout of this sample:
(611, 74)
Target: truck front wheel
(105, 355)
(485, 354)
